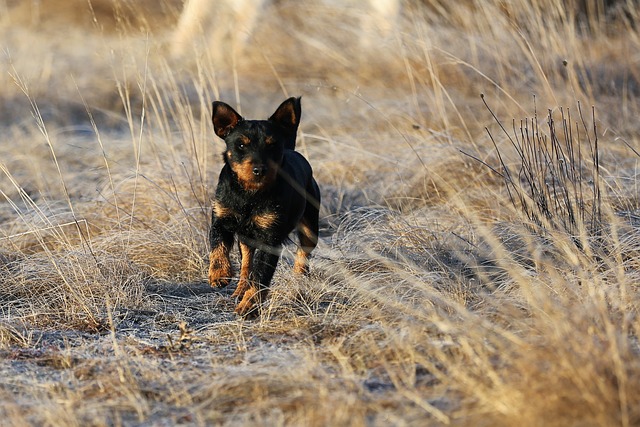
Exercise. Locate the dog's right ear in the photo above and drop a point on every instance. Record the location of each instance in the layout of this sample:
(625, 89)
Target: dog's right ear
(224, 118)
(288, 115)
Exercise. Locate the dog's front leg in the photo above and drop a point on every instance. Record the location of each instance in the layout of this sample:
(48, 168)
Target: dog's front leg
(221, 240)
(246, 257)
(264, 266)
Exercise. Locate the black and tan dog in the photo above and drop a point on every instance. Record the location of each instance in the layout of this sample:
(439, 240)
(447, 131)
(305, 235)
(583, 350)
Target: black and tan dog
(265, 191)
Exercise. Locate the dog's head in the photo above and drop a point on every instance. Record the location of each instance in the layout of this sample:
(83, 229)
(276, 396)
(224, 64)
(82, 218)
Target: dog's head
(255, 147)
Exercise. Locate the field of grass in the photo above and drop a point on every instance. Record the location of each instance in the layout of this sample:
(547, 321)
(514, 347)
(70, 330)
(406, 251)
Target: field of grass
(478, 264)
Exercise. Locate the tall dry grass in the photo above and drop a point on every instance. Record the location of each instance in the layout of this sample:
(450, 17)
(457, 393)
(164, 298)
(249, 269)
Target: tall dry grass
(441, 292)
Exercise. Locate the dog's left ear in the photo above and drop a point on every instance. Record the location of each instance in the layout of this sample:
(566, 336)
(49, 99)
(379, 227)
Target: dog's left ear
(224, 118)
(288, 114)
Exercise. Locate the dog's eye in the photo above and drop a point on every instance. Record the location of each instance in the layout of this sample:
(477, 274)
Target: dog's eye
(242, 143)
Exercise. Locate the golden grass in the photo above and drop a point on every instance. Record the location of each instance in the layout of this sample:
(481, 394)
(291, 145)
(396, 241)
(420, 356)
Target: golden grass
(432, 299)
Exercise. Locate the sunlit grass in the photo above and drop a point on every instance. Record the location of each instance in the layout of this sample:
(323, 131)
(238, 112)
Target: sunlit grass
(441, 292)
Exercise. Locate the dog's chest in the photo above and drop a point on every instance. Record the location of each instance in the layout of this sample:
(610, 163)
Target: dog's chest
(253, 218)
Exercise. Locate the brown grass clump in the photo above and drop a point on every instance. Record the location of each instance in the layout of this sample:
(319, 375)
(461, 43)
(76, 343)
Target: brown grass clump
(475, 266)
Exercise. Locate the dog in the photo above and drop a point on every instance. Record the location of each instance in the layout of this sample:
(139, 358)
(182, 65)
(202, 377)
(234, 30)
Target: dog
(265, 191)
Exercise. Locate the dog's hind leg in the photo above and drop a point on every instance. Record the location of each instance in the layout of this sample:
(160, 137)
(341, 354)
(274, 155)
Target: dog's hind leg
(307, 233)
(308, 241)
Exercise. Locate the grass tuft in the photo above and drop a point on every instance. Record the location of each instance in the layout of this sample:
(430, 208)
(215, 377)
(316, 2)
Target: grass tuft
(498, 287)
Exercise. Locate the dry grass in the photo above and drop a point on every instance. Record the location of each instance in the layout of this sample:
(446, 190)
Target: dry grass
(434, 298)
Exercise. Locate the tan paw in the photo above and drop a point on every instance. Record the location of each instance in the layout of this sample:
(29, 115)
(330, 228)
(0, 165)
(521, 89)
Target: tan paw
(220, 272)
(242, 287)
(248, 303)
(301, 265)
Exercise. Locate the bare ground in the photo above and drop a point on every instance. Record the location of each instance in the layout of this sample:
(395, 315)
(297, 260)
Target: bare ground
(433, 298)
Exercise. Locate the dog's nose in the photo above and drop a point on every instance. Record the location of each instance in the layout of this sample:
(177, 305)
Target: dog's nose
(259, 170)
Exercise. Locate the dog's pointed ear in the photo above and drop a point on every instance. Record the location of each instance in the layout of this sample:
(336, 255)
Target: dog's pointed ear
(288, 114)
(224, 118)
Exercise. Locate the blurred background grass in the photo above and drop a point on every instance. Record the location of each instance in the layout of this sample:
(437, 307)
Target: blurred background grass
(435, 296)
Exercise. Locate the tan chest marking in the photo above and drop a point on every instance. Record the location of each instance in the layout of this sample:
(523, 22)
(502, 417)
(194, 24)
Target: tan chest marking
(221, 211)
(265, 220)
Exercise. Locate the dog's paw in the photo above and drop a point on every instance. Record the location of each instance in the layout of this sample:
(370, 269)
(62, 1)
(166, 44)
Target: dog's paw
(301, 265)
(218, 279)
(242, 287)
(220, 272)
(249, 304)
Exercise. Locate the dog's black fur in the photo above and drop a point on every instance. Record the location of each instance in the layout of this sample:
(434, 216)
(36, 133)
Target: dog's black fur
(265, 191)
